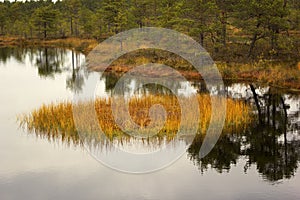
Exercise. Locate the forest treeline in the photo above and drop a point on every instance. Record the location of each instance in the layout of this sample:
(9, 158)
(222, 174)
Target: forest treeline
(226, 28)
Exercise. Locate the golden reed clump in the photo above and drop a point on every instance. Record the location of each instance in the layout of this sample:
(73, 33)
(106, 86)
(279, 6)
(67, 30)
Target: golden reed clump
(56, 120)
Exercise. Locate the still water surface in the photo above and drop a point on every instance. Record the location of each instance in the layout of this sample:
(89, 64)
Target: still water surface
(259, 163)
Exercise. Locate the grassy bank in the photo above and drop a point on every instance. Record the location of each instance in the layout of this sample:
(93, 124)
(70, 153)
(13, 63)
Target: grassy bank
(279, 75)
(285, 75)
(269, 72)
(81, 45)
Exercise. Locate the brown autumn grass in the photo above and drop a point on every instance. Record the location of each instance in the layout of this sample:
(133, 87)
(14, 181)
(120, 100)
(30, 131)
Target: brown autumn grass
(276, 75)
(261, 70)
(56, 120)
(269, 72)
(78, 44)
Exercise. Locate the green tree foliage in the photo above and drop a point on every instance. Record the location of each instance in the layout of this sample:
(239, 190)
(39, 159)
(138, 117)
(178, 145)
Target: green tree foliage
(214, 23)
(142, 12)
(262, 19)
(225, 9)
(45, 20)
(116, 15)
(3, 20)
(294, 17)
(201, 17)
(170, 13)
(86, 22)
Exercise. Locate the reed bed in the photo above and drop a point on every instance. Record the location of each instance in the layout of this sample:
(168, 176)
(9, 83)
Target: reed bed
(56, 120)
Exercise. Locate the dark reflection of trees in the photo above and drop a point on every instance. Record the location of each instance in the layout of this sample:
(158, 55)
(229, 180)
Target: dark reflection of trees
(200, 86)
(265, 143)
(224, 154)
(274, 160)
(49, 62)
(7, 53)
(75, 81)
(111, 79)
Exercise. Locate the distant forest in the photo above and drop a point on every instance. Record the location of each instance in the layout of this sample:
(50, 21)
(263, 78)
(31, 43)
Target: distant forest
(248, 28)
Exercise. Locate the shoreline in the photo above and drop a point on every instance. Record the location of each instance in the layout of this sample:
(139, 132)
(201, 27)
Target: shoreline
(81, 45)
(278, 76)
(274, 76)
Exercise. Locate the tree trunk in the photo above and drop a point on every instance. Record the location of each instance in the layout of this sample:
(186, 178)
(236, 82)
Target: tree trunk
(47, 62)
(274, 39)
(252, 45)
(201, 38)
(274, 112)
(71, 25)
(285, 130)
(73, 62)
(284, 107)
(268, 108)
(224, 28)
(45, 30)
(254, 39)
(255, 96)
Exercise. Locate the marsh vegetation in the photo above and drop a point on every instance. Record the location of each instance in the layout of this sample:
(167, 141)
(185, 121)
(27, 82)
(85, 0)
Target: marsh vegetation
(57, 119)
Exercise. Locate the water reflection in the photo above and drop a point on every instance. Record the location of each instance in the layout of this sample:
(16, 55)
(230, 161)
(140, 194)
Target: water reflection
(225, 153)
(75, 81)
(273, 148)
(51, 62)
(7, 53)
(271, 143)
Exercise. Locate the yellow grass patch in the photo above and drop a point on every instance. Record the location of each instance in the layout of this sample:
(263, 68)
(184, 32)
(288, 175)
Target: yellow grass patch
(56, 120)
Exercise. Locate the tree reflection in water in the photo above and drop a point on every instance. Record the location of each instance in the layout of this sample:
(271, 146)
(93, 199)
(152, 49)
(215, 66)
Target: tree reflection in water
(75, 81)
(51, 62)
(271, 143)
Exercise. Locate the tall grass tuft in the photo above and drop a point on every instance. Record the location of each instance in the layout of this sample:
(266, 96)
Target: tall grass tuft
(56, 120)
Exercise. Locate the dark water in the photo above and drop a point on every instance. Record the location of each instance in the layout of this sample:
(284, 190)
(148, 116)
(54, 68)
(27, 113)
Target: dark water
(260, 162)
